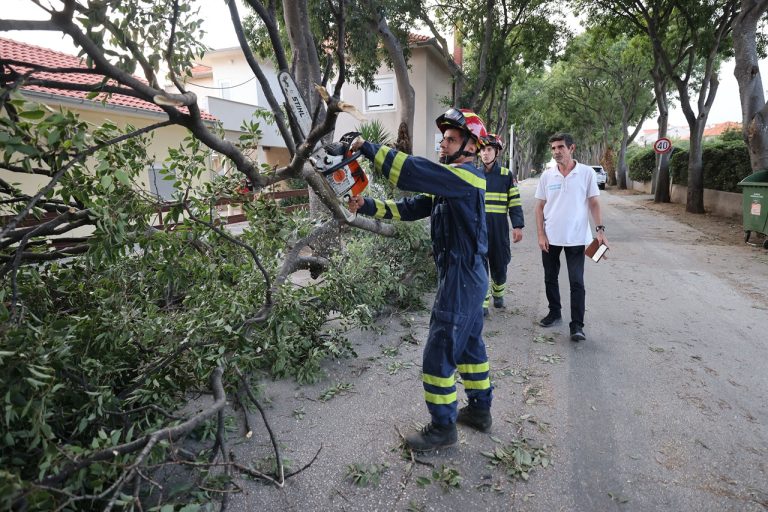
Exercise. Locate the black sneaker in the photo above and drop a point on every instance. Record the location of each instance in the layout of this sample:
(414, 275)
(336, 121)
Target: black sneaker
(486, 312)
(498, 302)
(476, 417)
(577, 334)
(550, 320)
(432, 437)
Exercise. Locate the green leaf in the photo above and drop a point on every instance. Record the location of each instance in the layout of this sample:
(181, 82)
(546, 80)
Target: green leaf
(122, 177)
(32, 114)
(423, 481)
(106, 181)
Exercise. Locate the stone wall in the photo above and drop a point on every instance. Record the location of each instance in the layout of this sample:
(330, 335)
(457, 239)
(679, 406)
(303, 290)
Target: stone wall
(727, 204)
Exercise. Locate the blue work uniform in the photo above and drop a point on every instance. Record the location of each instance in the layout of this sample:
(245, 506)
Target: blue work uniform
(453, 196)
(502, 198)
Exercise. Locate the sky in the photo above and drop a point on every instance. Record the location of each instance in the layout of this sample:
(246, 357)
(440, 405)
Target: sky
(219, 34)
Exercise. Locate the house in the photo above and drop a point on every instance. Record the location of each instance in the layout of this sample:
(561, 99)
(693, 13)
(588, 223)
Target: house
(121, 110)
(432, 82)
(648, 136)
(711, 132)
(228, 89)
(226, 86)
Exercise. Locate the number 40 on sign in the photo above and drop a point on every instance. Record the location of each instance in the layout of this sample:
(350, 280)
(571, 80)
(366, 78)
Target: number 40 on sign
(662, 145)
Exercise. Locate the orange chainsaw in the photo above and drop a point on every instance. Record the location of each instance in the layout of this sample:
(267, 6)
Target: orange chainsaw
(335, 161)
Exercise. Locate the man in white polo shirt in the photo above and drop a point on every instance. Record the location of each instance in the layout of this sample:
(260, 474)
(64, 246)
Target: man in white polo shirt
(565, 196)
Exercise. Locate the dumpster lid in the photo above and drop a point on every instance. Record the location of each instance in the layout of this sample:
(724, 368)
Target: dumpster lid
(759, 178)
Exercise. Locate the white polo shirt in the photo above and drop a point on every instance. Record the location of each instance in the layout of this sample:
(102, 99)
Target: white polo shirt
(566, 207)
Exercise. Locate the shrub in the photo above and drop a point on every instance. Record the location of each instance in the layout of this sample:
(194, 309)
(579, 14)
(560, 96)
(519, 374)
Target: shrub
(724, 165)
(103, 348)
(641, 164)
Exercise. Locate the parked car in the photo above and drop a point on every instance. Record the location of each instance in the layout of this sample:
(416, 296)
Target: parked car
(602, 177)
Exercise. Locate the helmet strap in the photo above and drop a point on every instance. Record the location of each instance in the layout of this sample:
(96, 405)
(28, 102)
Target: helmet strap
(449, 159)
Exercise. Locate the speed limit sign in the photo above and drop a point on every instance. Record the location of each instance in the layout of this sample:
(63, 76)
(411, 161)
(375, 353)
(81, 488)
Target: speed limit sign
(662, 145)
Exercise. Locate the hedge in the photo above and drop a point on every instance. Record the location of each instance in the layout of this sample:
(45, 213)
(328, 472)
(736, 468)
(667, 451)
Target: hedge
(725, 164)
(641, 164)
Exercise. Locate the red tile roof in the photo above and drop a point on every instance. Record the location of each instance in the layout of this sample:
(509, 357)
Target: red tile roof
(417, 38)
(201, 70)
(719, 128)
(15, 50)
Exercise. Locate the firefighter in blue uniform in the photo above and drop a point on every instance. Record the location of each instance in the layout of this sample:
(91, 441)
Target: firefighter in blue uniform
(452, 194)
(502, 198)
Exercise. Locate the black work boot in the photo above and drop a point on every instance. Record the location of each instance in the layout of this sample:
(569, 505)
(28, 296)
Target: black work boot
(432, 437)
(498, 302)
(577, 333)
(550, 320)
(479, 418)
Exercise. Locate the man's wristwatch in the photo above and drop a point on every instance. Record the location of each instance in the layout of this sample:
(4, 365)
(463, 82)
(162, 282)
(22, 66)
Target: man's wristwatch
(600, 228)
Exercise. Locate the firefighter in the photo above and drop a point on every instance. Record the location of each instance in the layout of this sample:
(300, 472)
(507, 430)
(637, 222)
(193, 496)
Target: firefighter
(502, 198)
(452, 194)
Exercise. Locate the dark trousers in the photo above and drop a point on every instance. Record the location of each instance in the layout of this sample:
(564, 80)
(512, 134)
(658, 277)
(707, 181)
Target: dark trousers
(574, 258)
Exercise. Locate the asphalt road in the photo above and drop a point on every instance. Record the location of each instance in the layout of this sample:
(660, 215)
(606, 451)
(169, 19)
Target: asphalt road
(663, 408)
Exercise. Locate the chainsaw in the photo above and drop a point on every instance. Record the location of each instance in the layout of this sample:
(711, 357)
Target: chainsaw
(334, 161)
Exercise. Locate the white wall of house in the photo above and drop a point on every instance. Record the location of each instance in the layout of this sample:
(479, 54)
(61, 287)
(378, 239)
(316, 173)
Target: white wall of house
(431, 82)
(233, 94)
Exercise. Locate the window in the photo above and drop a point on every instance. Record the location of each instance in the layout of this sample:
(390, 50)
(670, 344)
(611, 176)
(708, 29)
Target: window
(384, 97)
(225, 89)
(161, 184)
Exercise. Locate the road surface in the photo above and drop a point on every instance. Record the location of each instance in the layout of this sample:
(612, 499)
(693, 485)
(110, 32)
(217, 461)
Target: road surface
(663, 408)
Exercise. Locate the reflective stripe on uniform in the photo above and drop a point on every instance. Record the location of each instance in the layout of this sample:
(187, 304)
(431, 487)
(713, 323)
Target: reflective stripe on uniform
(397, 166)
(432, 398)
(381, 209)
(474, 368)
(386, 209)
(393, 209)
(495, 208)
(441, 382)
(391, 170)
(477, 384)
(514, 197)
(467, 176)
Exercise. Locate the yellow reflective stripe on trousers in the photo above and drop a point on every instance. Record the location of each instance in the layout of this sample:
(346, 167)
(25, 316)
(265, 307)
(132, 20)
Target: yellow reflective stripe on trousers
(466, 176)
(474, 368)
(441, 382)
(432, 398)
(477, 384)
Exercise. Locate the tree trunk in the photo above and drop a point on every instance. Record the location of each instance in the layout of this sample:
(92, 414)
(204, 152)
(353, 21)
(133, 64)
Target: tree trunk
(621, 170)
(404, 88)
(754, 112)
(661, 174)
(660, 181)
(695, 200)
(607, 162)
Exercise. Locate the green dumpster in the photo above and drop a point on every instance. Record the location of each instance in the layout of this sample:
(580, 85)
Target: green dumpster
(754, 190)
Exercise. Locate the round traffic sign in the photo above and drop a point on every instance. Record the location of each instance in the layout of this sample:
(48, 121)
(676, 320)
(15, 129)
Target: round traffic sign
(662, 145)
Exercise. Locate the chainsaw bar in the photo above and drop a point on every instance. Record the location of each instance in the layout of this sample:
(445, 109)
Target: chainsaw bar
(341, 172)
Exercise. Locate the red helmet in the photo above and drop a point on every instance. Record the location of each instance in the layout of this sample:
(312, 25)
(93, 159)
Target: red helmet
(494, 140)
(465, 120)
